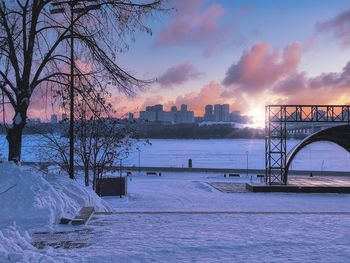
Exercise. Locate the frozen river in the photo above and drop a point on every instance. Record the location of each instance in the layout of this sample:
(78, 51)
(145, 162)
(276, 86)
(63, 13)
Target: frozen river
(216, 153)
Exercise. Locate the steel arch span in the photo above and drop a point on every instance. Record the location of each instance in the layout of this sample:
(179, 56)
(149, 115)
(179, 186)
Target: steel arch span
(277, 117)
(339, 135)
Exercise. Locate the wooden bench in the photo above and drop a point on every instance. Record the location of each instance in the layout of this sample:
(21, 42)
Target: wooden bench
(231, 175)
(82, 218)
(153, 173)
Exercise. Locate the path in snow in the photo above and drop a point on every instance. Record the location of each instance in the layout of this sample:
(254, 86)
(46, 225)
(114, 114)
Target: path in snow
(181, 218)
(215, 238)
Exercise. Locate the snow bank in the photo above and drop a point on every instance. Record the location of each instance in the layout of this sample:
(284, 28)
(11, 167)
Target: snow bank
(33, 200)
(15, 246)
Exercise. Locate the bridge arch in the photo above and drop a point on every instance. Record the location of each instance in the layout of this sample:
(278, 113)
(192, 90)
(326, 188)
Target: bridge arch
(339, 135)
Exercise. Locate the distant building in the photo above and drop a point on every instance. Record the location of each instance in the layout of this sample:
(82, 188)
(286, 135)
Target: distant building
(184, 116)
(217, 112)
(156, 114)
(220, 113)
(130, 116)
(148, 115)
(208, 115)
(237, 117)
(225, 113)
(53, 119)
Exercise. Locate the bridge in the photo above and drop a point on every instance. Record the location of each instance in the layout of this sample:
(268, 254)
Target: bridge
(306, 129)
(330, 121)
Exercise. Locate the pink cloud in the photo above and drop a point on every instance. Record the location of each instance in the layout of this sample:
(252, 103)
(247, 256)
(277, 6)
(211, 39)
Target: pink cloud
(122, 104)
(259, 67)
(196, 101)
(191, 24)
(292, 84)
(333, 79)
(178, 74)
(149, 101)
(339, 27)
(329, 87)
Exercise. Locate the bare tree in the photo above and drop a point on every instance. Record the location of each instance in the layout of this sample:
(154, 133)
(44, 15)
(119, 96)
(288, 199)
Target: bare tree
(34, 44)
(100, 139)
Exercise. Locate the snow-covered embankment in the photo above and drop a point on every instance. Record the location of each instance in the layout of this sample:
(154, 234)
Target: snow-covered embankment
(30, 200)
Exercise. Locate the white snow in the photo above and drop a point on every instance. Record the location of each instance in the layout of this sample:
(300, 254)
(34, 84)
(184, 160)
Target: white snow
(15, 247)
(179, 217)
(216, 238)
(35, 200)
(192, 192)
(30, 201)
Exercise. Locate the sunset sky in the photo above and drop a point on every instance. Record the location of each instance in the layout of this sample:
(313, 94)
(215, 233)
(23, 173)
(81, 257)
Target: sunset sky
(245, 53)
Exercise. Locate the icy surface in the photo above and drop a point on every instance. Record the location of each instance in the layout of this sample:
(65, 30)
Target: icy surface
(227, 153)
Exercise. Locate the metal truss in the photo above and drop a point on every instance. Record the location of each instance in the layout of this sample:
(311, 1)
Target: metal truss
(276, 119)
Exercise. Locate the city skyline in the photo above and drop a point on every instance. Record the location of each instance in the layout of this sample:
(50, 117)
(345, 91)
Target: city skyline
(154, 113)
(243, 53)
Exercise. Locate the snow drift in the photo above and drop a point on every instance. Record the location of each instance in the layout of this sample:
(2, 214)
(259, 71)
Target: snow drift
(32, 200)
(15, 246)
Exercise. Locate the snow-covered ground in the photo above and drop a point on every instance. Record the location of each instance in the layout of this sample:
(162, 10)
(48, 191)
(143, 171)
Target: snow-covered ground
(177, 217)
(180, 217)
(31, 201)
(192, 192)
(215, 238)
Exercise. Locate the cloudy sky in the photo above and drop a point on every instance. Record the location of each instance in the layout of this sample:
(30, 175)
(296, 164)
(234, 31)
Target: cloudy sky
(245, 53)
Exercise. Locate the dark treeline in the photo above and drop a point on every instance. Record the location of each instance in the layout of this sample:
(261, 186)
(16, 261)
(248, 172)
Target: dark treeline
(194, 131)
(166, 131)
(42, 128)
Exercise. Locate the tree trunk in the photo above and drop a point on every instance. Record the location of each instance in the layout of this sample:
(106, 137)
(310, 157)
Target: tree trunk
(14, 134)
(86, 170)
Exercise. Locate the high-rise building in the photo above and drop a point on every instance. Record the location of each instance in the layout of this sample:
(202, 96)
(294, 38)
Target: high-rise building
(157, 107)
(217, 112)
(225, 113)
(156, 114)
(208, 115)
(53, 119)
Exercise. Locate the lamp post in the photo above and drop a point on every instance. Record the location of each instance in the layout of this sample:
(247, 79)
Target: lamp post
(139, 152)
(74, 7)
(247, 153)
